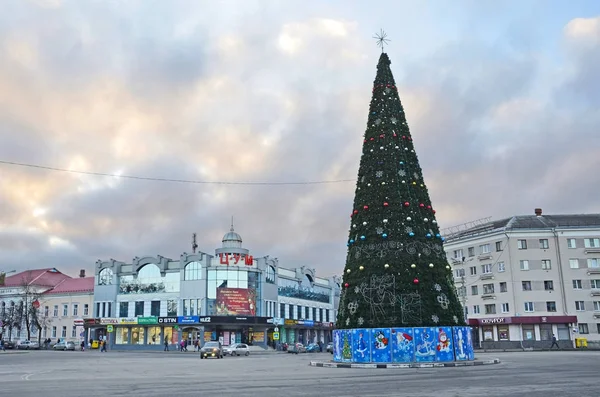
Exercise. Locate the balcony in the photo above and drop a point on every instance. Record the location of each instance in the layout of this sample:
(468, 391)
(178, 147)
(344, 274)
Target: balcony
(484, 257)
(596, 315)
(592, 250)
(486, 276)
(595, 270)
(595, 292)
(488, 296)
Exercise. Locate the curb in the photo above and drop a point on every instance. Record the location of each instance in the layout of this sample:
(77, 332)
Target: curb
(329, 364)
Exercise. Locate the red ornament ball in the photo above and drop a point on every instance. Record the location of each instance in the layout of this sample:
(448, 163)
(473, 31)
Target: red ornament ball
(355, 212)
(428, 207)
(385, 204)
(365, 141)
(381, 135)
(416, 281)
(403, 136)
(346, 285)
(433, 211)
(422, 205)
(406, 203)
(366, 207)
(372, 139)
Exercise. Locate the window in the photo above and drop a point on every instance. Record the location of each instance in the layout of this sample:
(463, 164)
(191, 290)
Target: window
(192, 271)
(320, 315)
(471, 251)
(314, 314)
(475, 309)
(528, 307)
(154, 335)
(459, 272)
(55, 311)
(580, 306)
(551, 306)
(73, 331)
(122, 336)
(501, 267)
(155, 308)
(299, 314)
(595, 284)
(526, 285)
(105, 277)
(327, 316)
(86, 309)
(503, 332)
(123, 309)
(577, 284)
(528, 332)
(591, 243)
(46, 310)
(571, 243)
(545, 331)
(270, 275)
(292, 312)
(503, 287)
(137, 335)
(108, 309)
(98, 312)
(597, 306)
(583, 328)
(75, 309)
(473, 270)
(484, 249)
(546, 264)
(461, 291)
(593, 262)
(498, 246)
(488, 289)
(505, 308)
(548, 285)
(54, 332)
(544, 243)
(64, 331)
(306, 313)
(474, 290)
(139, 309)
(65, 310)
(490, 309)
(281, 310)
(524, 265)
(574, 263)
(486, 269)
(458, 254)
(522, 244)
(171, 308)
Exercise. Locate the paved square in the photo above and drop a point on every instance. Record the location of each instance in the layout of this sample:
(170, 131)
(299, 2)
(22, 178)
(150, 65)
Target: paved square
(70, 374)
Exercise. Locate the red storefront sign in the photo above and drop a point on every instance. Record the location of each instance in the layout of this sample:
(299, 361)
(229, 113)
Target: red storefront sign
(523, 320)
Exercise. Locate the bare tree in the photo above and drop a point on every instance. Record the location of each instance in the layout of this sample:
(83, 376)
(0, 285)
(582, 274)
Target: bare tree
(30, 302)
(40, 320)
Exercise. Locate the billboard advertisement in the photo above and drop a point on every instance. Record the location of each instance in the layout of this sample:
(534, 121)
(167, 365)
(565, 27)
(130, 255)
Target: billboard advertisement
(236, 302)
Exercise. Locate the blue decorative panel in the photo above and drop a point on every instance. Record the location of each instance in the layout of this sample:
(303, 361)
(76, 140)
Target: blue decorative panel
(463, 344)
(361, 345)
(425, 344)
(381, 350)
(337, 345)
(403, 345)
(445, 346)
(346, 345)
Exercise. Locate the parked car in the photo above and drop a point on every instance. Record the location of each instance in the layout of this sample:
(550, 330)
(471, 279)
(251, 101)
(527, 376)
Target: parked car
(9, 344)
(313, 348)
(211, 349)
(296, 348)
(330, 347)
(237, 349)
(64, 345)
(28, 345)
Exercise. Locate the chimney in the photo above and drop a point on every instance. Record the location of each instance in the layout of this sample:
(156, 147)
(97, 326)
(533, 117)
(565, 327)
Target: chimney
(538, 212)
(82, 273)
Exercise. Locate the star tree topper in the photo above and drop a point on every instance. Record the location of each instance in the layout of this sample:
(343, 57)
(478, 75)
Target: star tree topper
(382, 39)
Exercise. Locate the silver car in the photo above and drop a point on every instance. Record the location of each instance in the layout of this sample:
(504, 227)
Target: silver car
(237, 349)
(28, 345)
(64, 345)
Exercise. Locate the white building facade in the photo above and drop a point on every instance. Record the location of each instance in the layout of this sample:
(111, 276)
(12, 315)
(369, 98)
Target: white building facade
(526, 278)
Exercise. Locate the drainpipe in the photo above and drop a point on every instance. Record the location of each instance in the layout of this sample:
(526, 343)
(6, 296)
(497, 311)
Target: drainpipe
(560, 272)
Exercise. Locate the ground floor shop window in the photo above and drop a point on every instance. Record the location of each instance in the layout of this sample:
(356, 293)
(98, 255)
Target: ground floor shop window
(528, 332)
(154, 335)
(122, 337)
(168, 333)
(563, 332)
(137, 336)
(503, 332)
(488, 333)
(545, 331)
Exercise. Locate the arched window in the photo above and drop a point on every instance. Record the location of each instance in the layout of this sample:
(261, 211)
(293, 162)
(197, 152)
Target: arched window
(105, 277)
(270, 274)
(193, 271)
(307, 282)
(149, 274)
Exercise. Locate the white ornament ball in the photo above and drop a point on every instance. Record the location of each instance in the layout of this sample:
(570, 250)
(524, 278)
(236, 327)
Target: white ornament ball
(368, 184)
(364, 223)
(448, 267)
(385, 221)
(403, 181)
(354, 225)
(431, 265)
(408, 218)
(383, 183)
(425, 220)
(405, 148)
(361, 267)
(348, 271)
(413, 265)
(397, 147)
(386, 265)
(381, 148)
(434, 221)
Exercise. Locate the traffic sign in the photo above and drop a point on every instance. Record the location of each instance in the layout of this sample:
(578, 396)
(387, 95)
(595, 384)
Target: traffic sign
(275, 335)
(276, 329)
(109, 328)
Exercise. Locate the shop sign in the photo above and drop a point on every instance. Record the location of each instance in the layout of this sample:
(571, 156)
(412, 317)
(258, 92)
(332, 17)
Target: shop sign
(147, 320)
(204, 320)
(187, 319)
(167, 320)
(290, 322)
(128, 320)
(91, 321)
(109, 328)
(105, 321)
(278, 321)
(497, 320)
(78, 322)
(235, 260)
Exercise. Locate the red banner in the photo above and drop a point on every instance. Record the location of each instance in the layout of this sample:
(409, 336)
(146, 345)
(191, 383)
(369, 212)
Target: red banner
(236, 302)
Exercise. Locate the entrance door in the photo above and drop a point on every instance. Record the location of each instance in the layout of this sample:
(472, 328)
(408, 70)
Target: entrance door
(190, 335)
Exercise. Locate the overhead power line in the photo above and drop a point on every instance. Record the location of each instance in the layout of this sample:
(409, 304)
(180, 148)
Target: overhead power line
(145, 178)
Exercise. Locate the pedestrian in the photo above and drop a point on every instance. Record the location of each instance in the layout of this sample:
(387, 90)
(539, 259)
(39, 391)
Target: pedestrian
(554, 343)
(82, 346)
(103, 344)
(166, 345)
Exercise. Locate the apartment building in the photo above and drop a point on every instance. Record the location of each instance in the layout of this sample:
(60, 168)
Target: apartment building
(526, 278)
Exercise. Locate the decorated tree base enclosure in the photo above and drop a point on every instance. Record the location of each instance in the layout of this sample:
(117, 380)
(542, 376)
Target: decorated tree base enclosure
(398, 302)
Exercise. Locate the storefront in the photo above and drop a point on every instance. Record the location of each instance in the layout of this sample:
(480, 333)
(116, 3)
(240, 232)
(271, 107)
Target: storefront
(237, 329)
(305, 332)
(520, 332)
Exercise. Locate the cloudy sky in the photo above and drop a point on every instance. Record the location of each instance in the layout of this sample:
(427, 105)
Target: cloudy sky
(502, 99)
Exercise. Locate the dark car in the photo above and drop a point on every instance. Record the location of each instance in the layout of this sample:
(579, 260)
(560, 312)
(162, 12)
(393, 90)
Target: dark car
(211, 349)
(8, 344)
(330, 347)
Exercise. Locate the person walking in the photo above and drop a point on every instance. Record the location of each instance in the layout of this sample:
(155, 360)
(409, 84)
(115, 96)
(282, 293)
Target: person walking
(166, 349)
(554, 343)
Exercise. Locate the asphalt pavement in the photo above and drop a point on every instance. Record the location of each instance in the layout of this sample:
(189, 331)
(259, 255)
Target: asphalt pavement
(70, 374)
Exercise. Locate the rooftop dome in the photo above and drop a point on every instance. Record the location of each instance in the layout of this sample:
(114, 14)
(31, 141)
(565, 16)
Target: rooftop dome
(231, 239)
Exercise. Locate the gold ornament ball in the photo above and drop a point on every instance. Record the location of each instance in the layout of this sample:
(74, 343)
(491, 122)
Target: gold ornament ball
(431, 265)
(448, 267)
(413, 265)
(361, 267)
(348, 271)
(386, 265)
(414, 183)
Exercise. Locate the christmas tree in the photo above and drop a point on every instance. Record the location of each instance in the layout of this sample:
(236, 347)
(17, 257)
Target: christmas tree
(346, 351)
(396, 270)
